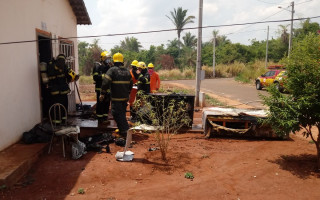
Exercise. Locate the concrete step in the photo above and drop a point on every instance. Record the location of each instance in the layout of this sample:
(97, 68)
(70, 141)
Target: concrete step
(17, 160)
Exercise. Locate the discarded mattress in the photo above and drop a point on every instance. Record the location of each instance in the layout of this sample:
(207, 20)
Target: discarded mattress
(218, 121)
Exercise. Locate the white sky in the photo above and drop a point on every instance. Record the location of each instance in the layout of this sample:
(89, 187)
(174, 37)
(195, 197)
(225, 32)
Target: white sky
(124, 16)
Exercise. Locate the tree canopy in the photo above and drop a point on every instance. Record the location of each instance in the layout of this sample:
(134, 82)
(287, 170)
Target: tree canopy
(300, 109)
(226, 51)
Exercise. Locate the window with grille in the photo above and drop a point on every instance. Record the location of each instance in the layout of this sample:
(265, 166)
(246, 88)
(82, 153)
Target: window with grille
(67, 48)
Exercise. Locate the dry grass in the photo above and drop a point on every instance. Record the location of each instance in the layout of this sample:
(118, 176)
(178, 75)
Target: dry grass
(224, 71)
(252, 71)
(86, 80)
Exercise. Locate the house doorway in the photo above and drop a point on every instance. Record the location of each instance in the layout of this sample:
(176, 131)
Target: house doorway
(44, 55)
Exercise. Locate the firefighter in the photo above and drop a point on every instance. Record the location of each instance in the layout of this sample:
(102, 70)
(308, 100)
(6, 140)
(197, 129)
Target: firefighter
(144, 78)
(99, 71)
(60, 75)
(119, 81)
(134, 76)
(143, 86)
(154, 79)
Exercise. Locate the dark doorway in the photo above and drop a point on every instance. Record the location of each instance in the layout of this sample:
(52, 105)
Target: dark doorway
(45, 55)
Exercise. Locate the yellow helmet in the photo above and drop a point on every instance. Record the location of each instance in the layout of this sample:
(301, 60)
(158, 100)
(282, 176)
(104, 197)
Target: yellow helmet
(150, 65)
(105, 55)
(142, 65)
(118, 57)
(134, 63)
(72, 74)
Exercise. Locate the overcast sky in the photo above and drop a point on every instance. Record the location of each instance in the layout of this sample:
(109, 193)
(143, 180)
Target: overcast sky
(127, 16)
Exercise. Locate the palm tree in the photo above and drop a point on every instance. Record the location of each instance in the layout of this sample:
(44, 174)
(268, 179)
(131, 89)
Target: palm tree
(190, 57)
(179, 19)
(214, 41)
(220, 39)
(284, 33)
(189, 40)
(131, 44)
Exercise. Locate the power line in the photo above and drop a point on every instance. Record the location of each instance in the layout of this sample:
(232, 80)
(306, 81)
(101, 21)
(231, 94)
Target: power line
(303, 2)
(163, 30)
(252, 24)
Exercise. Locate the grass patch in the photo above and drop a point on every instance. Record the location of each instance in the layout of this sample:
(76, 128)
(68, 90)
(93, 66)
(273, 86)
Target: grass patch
(86, 80)
(213, 102)
(80, 191)
(189, 175)
(209, 100)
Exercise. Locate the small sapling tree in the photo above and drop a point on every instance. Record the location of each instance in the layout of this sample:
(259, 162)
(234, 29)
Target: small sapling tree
(167, 115)
(300, 109)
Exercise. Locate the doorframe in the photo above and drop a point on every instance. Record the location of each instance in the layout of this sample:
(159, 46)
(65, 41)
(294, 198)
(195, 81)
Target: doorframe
(42, 33)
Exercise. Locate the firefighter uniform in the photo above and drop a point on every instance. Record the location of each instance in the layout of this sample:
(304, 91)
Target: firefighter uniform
(133, 92)
(99, 71)
(119, 81)
(154, 79)
(144, 78)
(60, 75)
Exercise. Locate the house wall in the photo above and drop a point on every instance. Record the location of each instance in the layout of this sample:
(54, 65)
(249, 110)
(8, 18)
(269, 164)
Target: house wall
(20, 107)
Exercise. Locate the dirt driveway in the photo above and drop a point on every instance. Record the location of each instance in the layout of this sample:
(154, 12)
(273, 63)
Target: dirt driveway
(223, 168)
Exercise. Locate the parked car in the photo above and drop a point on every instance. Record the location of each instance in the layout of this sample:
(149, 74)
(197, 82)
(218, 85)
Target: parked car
(275, 75)
(279, 80)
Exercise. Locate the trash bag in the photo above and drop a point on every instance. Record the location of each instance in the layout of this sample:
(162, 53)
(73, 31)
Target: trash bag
(38, 134)
(78, 149)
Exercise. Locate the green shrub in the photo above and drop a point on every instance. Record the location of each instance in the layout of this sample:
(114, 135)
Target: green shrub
(80, 191)
(189, 175)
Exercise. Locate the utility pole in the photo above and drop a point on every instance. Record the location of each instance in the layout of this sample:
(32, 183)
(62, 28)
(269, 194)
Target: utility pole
(214, 56)
(198, 69)
(267, 48)
(291, 30)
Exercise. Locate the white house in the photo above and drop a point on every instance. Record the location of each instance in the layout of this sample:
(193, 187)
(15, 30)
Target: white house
(31, 32)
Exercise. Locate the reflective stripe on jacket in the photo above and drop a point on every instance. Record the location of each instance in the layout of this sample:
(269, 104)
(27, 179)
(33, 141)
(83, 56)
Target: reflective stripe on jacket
(119, 81)
(58, 79)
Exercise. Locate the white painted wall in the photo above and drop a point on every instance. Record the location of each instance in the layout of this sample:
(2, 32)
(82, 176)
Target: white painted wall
(20, 106)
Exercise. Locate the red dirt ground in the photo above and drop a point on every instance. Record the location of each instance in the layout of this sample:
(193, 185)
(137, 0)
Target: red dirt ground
(223, 168)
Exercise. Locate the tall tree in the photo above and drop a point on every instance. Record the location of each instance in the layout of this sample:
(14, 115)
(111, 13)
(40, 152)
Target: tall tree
(82, 53)
(131, 44)
(306, 27)
(93, 55)
(189, 40)
(179, 18)
(284, 35)
(300, 109)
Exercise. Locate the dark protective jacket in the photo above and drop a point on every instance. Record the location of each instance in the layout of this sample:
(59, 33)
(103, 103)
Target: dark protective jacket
(99, 71)
(119, 80)
(144, 82)
(58, 79)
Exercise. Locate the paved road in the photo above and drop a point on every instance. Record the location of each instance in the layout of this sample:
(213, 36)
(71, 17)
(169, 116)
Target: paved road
(228, 88)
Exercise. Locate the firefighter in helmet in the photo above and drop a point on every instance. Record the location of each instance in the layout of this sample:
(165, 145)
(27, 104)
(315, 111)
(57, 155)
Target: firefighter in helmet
(99, 71)
(60, 75)
(134, 76)
(154, 79)
(144, 78)
(119, 81)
